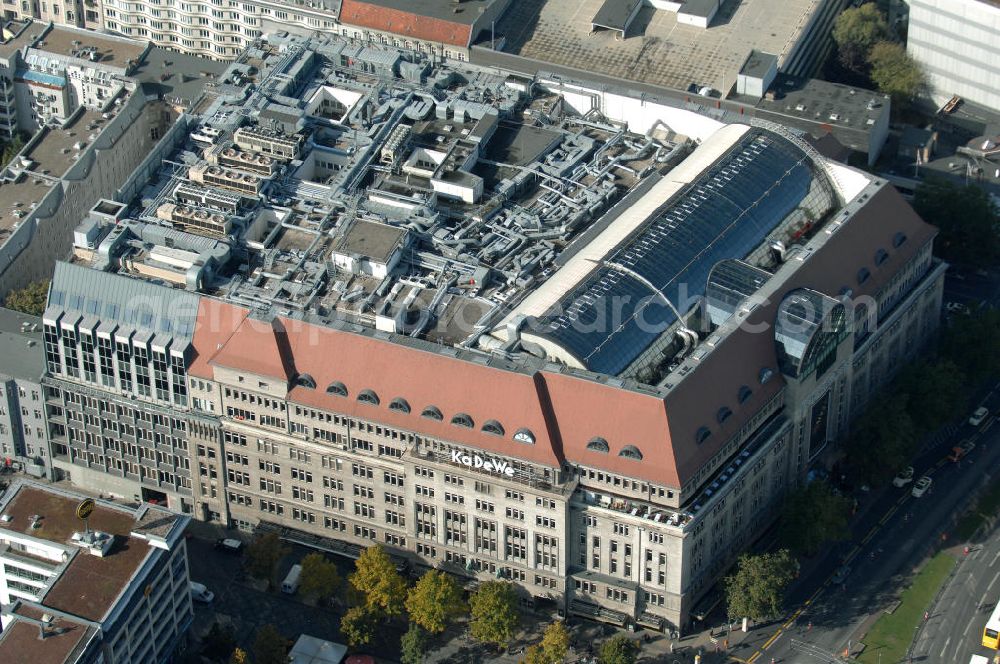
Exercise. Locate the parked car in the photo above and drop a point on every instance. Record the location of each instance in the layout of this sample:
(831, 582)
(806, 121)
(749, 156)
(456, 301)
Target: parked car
(200, 593)
(962, 450)
(979, 416)
(921, 486)
(956, 308)
(903, 477)
(229, 545)
(840, 576)
(291, 582)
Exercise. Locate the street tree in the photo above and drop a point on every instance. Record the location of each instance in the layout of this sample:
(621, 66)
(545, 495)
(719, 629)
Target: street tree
(855, 31)
(882, 439)
(413, 646)
(263, 554)
(973, 344)
(239, 656)
(218, 643)
(375, 576)
(319, 577)
(812, 516)
(270, 647)
(966, 217)
(619, 649)
(359, 624)
(494, 612)
(895, 73)
(756, 590)
(936, 390)
(435, 601)
(555, 642)
(30, 299)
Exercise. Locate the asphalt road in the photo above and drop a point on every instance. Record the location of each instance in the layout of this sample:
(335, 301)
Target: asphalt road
(954, 630)
(895, 533)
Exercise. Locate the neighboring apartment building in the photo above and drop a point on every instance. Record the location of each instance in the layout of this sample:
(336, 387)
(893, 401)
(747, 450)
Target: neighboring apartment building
(955, 43)
(452, 407)
(111, 590)
(23, 430)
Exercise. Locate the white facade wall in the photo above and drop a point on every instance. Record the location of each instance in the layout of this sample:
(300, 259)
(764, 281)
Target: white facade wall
(957, 42)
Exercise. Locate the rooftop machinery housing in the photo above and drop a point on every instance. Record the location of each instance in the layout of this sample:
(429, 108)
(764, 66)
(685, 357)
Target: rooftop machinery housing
(500, 325)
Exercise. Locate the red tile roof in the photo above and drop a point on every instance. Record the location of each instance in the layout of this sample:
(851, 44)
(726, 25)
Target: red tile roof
(564, 412)
(404, 23)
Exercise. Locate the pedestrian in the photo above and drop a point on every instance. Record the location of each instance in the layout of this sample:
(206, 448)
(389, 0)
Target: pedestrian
(927, 616)
(809, 626)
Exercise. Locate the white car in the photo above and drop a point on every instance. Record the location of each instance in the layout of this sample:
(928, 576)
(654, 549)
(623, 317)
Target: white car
(200, 593)
(921, 486)
(903, 478)
(979, 416)
(956, 308)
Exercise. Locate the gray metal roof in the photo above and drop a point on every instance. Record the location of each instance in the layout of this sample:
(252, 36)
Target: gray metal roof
(135, 304)
(20, 346)
(615, 14)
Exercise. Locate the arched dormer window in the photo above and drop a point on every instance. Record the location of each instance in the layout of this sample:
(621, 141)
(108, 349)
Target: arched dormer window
(368, 397)
(463, 420)
(400, 405)
(631, 452)
(724, 414)
(432, 413)
(493, 427)
(863, 275)
(765, 375)
(881, 256)
(744, 394)
(898, 239)
(525, 436)
(305, 380)
(702, 435)
(598, 445)
(337, 388)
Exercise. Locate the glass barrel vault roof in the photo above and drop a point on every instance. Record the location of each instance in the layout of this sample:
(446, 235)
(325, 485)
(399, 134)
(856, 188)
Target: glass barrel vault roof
(614, 314)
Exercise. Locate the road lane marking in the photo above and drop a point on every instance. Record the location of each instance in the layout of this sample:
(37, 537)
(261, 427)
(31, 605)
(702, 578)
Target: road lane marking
(993, 581)
(947, 641)
(774, 637)
(995, 558)
(753, 658)
(967, 626)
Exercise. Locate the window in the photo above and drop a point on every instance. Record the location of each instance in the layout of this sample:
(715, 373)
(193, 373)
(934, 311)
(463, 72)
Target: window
(744, 394)
(702, 435)
(432, 413)
(598, 445)
(765, 375)
(524, 436)
(400, 405)
(368, 397)
(881, 256)
(463, 420)
(863, 275)
(493, 427)
(305, 380)
(724, 414)
(631, 452)
(337, 388)
(898, 239)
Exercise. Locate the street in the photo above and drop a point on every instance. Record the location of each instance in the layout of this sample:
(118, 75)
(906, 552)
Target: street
(894, 535)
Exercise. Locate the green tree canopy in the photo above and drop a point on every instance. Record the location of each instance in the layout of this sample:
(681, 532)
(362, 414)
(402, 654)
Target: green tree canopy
(30, 299)
(10, 149)
(413, 646)
(882, 438)
(218, 643)
(619, 649)
(263, 555)
(553, 647)
(494, 612)
(856, 31)
(894, 72)
(966, 218)
(973, 344)
(359, 624)
(435, 601)
(270, 647)
(936, 391)
(812, 516)
(756, 590)
(319, 577)
(376, 577)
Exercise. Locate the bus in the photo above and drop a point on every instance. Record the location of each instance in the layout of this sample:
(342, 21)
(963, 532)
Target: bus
(991, 633)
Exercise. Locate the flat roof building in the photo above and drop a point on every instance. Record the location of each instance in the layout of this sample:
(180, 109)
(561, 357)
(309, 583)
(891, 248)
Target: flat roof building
(58, 571)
